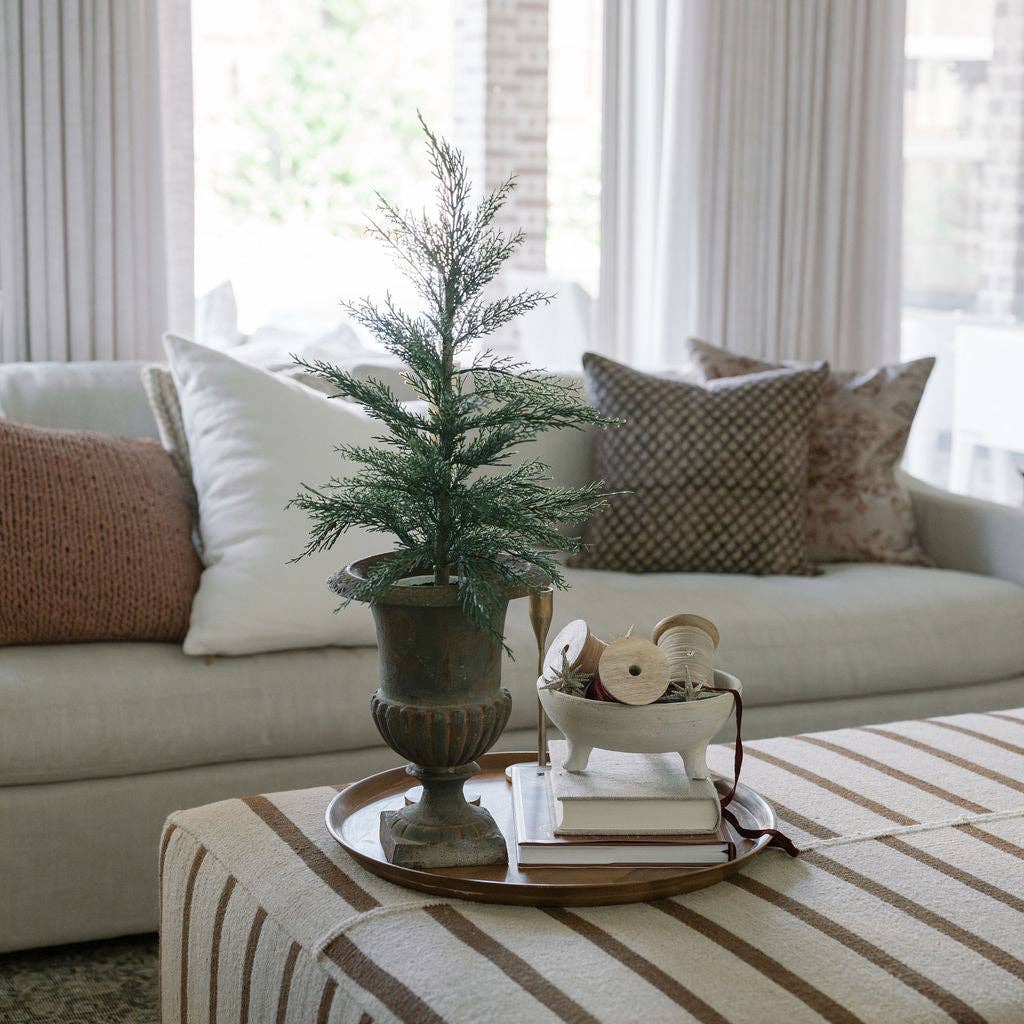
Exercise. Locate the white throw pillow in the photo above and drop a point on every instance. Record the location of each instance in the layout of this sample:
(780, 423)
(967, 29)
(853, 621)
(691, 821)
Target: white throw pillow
(253, 438)
(217, 317)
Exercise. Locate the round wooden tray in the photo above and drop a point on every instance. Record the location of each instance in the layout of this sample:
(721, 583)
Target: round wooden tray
(353, 819)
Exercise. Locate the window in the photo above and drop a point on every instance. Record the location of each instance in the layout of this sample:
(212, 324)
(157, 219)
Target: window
(963, 255)
(305, 108)
(574, 142)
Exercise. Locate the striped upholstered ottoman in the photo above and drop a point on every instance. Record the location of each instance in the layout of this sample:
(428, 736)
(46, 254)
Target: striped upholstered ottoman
(907, 905)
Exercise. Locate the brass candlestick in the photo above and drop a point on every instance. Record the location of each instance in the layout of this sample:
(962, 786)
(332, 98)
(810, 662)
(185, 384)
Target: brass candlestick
(542, 606)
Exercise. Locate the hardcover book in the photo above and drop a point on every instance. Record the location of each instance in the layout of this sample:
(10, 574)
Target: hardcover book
(539, 846)
(632, 794)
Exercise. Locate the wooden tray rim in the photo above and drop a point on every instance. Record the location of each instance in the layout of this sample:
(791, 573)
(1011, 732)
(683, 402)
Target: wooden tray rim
(667, 881)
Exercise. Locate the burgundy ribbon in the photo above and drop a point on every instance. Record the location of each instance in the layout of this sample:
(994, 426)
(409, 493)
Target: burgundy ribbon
(778, 839)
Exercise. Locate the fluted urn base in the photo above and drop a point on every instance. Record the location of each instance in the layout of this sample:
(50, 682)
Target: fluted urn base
(442, 830)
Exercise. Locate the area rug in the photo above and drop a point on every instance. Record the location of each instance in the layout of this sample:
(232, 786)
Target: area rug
(114, 982)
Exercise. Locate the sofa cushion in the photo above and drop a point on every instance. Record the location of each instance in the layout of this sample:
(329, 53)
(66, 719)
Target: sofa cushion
(116, 709)
(857, 629)
(103, 396)
(110, 709)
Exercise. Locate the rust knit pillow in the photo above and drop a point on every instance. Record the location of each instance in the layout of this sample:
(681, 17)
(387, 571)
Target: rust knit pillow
(95, 539)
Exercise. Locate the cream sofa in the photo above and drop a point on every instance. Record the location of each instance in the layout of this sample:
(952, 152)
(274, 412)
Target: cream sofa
(99, 742)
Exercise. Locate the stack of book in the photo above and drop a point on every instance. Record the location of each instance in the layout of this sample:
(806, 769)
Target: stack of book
(627, 810)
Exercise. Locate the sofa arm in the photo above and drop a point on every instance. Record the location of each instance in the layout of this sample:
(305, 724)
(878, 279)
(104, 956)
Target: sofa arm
(964, 533)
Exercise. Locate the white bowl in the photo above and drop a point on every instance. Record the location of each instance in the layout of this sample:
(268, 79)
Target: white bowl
(683, 726)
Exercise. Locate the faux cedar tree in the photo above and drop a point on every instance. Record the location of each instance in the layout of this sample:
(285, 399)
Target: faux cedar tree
(446, 481)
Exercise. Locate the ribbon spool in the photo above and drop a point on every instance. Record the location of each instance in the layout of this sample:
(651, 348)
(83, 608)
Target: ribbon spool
(634, 671)
(580, 648)
(688, 642)
(597, 692)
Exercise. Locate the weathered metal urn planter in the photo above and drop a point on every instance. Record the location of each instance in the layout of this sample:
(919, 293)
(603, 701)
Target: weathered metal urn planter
(441, 705)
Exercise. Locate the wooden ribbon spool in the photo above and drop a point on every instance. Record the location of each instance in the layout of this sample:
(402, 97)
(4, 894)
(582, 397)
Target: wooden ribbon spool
(634, 671)
(580, 648)
(688, 642)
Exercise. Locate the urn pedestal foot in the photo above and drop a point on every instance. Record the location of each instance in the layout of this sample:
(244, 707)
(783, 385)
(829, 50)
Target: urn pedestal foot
(442, 830)
(578, 756)
(695, 760)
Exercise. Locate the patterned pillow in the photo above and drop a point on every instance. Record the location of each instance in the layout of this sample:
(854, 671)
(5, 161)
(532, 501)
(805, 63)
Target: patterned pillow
(162, 394)
(858, 510)
(94, 539)
(716, 473)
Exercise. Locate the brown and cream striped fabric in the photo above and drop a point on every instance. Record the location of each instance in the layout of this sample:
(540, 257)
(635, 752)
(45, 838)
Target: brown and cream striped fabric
(906, 906)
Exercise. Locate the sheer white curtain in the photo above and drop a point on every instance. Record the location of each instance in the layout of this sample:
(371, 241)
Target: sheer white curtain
(649, 168)
(752, 178)
(95, 177)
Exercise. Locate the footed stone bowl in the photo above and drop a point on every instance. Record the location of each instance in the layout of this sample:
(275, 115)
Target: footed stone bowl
(685, 726)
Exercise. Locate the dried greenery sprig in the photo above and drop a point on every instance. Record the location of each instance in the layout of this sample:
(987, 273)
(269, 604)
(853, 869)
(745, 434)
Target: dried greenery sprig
(568, 679)
(684, 690)
(448, 481)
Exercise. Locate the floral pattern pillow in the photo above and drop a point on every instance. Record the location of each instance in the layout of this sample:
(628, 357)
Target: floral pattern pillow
(857, 509)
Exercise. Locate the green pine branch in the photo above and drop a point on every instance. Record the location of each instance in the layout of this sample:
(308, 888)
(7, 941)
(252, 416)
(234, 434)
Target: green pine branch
(447, 477)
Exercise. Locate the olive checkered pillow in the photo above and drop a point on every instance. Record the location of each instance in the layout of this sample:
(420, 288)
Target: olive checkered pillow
(716, 473)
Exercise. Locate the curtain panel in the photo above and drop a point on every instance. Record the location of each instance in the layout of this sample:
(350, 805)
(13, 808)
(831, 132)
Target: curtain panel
(752, 165)
(96, 226)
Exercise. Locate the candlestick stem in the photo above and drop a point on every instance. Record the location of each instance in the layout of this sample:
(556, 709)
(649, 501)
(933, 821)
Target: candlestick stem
(542, 606)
